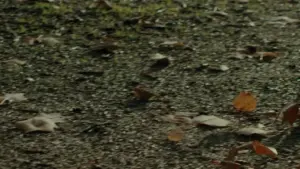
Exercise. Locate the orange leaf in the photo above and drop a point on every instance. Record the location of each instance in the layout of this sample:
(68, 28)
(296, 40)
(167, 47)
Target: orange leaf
(176, 135)
(245, 102)
(290, 113)
(261, 149)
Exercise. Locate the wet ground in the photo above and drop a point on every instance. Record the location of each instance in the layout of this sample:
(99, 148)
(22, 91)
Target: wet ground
(69, 73)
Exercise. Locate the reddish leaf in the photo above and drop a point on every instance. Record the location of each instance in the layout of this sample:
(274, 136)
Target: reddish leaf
(261, 149)
(290, 113)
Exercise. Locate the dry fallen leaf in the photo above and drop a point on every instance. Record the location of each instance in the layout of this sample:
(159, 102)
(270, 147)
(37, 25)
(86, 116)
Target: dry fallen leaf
(16, 61)
(104, 4)
(261, 149)
(30, 40)
(161, 61)
(13, 97)
(47, 40)
(245, 102)
(172, 44)
(43, 122)
(290, 113)
(141, 93)
(252, 130)
(176, 135)
(285, 19)
(177, 119)
(267, 56)
(249, 50)
(210, 121)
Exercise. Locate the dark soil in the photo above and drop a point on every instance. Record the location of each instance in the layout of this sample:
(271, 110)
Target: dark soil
(106, 127)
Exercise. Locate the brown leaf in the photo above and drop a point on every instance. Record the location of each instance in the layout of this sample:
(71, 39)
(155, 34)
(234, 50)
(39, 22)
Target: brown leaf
(245, 102)
(268, 56)
(176, 135)
(141, 93)
(290, 113)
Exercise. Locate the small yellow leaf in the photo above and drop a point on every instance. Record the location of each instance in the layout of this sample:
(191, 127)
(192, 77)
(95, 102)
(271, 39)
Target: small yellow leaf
(176, 135)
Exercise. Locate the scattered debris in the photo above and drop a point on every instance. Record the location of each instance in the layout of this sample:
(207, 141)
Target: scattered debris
(176, 135)
(245, 102)
(219, 13)
(92, 72)
(42, 122)
(212, 121)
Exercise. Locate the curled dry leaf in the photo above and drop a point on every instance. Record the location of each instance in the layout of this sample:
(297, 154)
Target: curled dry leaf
(172, 44)
(43, 122)
(290, 113)
(252, 130)
(261, 149)
(245, 102)
(210, 121)
(175, 135)
(141, 93)
(13, 97)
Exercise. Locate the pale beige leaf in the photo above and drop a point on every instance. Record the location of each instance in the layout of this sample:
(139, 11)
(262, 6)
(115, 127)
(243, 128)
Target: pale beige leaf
(211, 121)
(252, 130)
